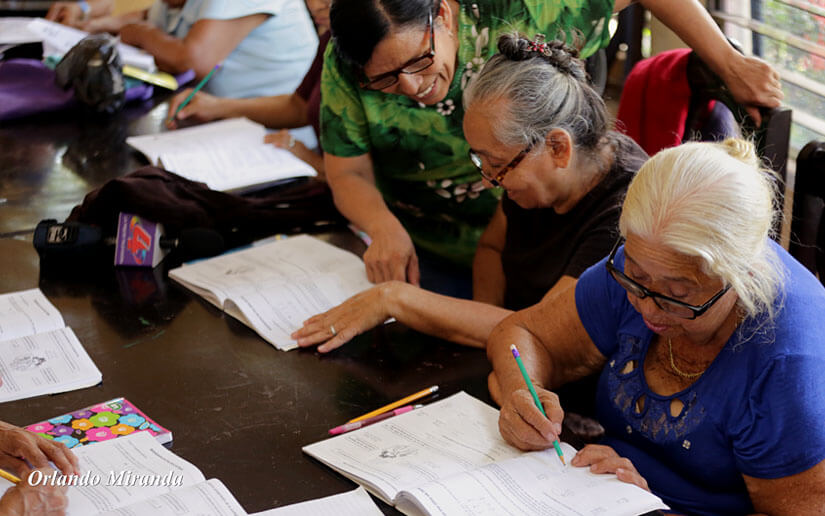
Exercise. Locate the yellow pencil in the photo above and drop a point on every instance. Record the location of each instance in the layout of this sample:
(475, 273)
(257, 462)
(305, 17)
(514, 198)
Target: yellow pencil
(162, 79)
(8, 476)
(412, 397)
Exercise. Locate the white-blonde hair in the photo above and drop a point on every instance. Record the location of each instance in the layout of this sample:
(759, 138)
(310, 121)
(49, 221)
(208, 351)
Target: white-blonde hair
(717, 202)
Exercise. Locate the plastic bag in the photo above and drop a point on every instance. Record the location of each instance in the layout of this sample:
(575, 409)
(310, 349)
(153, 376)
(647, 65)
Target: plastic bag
(93, 68)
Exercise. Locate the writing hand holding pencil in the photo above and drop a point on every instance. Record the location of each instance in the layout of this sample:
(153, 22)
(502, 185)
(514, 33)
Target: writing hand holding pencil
(177, 105)
(34, 498)
(530, 419)
(21, 452)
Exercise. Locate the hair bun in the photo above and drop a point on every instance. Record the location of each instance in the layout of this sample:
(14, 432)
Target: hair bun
(516, 47)
(743, 150)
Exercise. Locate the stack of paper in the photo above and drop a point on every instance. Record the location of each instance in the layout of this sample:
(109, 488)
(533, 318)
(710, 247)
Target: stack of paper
(228, 155)
(38, 353)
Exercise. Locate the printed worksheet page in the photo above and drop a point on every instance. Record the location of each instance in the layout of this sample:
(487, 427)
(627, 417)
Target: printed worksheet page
(124, 466)
(27, 312)
(120, 472)
(353, 503)
(210, 497)
(14, 30)
(273, 288)
(534, 483)
(232, 132)
(236, 168)
(45, 363)
(444, 438)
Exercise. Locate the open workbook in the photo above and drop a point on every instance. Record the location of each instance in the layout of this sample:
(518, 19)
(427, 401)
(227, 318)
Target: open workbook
(228, 155)
(274, 287)
(449, 459)
(136, 475)
(38, 353)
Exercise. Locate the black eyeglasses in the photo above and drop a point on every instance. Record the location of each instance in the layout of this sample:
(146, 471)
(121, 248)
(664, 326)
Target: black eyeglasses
(496, 179)
(665, 303)
(414, 65)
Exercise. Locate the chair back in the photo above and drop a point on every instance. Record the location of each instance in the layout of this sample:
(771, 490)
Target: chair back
(772, 138)
(808, 219)
(665, 101)
(596, 67)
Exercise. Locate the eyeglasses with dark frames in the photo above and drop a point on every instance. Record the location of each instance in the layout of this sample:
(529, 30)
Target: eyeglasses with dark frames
(496, 179)
(665, 303)
(414, 65)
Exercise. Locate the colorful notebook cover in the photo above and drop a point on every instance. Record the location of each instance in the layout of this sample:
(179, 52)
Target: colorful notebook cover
(101, 422)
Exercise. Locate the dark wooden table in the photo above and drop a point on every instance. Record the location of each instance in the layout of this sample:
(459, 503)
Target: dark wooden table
(49, 162)
(24, 7)
(239, 409)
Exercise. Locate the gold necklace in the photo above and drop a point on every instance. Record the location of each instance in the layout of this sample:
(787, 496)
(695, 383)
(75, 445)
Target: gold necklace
(673, 364)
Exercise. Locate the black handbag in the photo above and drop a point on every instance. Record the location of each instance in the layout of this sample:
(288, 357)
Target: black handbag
(302, 205)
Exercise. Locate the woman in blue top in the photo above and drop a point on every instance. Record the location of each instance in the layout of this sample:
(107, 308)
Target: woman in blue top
(708, 337)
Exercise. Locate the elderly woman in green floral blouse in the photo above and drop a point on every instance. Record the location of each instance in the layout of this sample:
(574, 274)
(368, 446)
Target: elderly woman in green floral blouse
(391, 112)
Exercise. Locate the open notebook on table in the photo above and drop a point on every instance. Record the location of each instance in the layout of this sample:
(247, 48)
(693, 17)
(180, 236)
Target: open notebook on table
(137, 475)
(448, 458)
(274, 287)
(38, 353)
(228, 155)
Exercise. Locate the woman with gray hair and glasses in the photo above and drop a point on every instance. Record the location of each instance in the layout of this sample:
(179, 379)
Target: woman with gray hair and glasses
(536, 128)
(391, 89)
(708, 337)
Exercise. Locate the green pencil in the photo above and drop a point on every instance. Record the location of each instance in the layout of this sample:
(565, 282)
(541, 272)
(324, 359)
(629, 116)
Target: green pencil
(535, 396)
(192, 94)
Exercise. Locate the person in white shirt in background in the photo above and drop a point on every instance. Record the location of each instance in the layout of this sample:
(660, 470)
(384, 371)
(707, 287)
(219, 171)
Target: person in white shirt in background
(265, 46)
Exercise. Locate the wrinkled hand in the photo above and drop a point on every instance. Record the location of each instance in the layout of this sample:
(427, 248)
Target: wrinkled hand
(40, 500)
(67, 13)
(754, 83)
(202, 108)
(604, 459)
(524, 426)
(391, 256)
(360, 313)
(19, 448)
